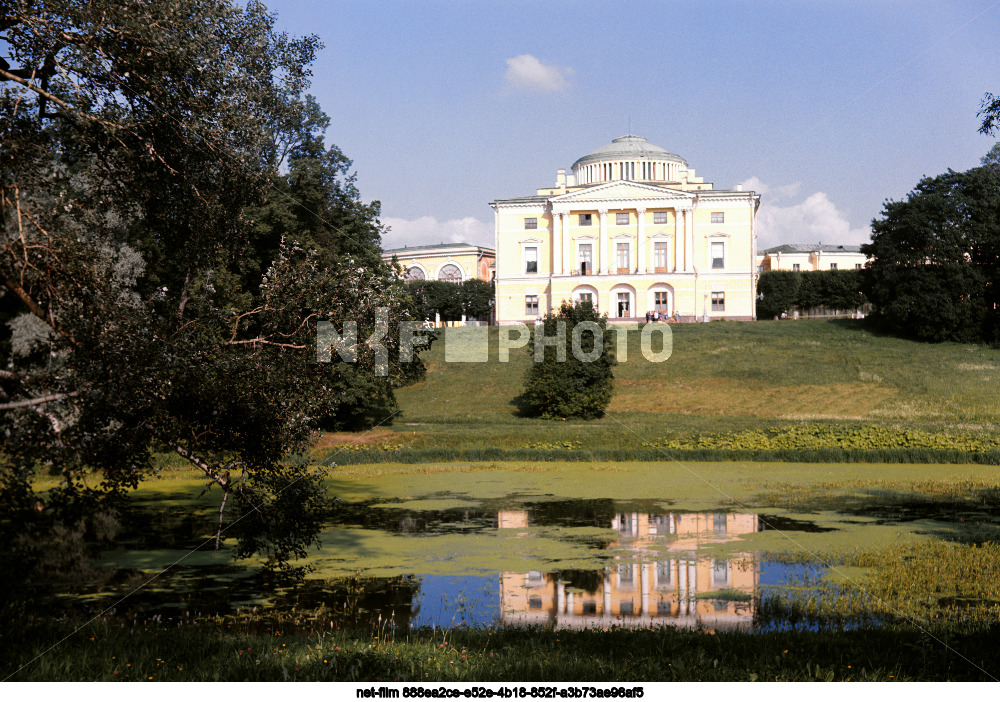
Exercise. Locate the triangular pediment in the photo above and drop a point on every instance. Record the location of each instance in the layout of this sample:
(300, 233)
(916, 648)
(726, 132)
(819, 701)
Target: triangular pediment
(622, 190)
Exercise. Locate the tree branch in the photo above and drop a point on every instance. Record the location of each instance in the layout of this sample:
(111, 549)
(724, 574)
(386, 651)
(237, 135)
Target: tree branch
(38, 400)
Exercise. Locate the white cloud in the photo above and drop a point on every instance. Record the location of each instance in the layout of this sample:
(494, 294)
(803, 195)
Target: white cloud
(525, 72)
(814, 220)
(773, 193)
(428, 230)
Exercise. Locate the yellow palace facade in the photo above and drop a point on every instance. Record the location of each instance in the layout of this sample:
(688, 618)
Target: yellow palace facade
(632, 230)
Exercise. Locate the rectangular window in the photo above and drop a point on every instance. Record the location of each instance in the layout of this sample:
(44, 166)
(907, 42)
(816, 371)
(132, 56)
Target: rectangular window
(659, 218)
(858, 266)
(530, 259)
(719, 523)
(587, 298)
(586, 259)
(833, 266)
(590, 608)
(626, 607)
(531, 222)
(660, 256)
(531, 305)
(718, 302)
(796, 266)
(621, 250)
(718, 217)
(660, 302)
(664, 573)
(534, 603)
(720, 574)
(662, 607)
(621, 218)
(718, 254)
(585, 220)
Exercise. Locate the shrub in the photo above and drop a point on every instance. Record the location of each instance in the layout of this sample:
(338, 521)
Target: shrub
(559, 385)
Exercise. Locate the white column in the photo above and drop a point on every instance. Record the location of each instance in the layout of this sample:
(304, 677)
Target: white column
(569, 262)
(605, 268)
(678, 239)
(560, 597)
(607, 592)
(640, 256)
(689, 245)
(557, 235)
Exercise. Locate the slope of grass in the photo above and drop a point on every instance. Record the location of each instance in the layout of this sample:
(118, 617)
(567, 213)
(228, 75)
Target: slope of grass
(721, 378)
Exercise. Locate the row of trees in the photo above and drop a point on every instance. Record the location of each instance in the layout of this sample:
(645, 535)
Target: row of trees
(472, 298)
(173, 230)
(782, 291)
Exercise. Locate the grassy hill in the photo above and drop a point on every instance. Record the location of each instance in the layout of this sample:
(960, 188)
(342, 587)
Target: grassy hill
(722, 378)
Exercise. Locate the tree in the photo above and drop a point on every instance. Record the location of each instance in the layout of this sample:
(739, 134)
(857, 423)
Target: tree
(778, 292)
(567, 383)
(157, 159)
(989, 110)
(934, 273)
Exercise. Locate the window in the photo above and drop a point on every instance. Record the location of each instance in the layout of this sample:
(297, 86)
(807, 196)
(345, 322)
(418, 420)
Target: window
(531, 305)
(531, 259)
(590, 608)
(660, 301)
(796, 266)
(833, 266)
(586, 259)
(625, 607)
(858, 266)
(660, 256)
(622, 257)
(718, 254)
(720, 573)
(662, 607)
(718, 302)
(585, 220)
(659, 218)
(719, 523)
(718, 217)
(623, 306)
(451, 273)
(531, 223)
(664, 573)
(586, 298)
(414, 273)
(621, 218)
(626, 575)
(534, 603)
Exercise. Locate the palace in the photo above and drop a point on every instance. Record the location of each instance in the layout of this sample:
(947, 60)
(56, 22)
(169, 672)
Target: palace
(632, 230)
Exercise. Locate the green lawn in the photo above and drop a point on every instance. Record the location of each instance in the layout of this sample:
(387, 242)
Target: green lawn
(722, 377)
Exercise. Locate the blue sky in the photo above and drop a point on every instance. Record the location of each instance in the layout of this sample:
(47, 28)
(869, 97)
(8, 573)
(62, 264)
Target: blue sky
(826, 108)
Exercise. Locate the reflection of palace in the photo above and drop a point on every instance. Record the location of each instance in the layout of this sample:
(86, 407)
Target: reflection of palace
(659, 579)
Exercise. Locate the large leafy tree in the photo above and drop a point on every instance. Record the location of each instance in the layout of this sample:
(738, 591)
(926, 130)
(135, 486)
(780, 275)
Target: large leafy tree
(934, 273)
(172, 230)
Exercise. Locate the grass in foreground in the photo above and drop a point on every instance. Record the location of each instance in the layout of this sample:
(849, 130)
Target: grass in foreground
(301, 647)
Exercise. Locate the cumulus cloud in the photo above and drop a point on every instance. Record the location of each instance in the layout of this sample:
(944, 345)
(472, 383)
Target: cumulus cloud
(813, 220)
(525, 72)
(428, 230)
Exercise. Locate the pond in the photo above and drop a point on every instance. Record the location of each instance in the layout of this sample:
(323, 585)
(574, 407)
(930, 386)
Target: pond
(502, 549)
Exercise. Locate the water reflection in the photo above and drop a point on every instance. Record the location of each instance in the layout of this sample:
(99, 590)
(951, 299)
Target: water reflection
(657, 577)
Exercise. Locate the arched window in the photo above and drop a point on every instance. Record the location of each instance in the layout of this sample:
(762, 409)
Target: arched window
(415, 273)
(451, 273)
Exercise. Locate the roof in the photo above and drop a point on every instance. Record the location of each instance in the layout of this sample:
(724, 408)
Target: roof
(435, 247)
(629, 146)
(810, 248)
